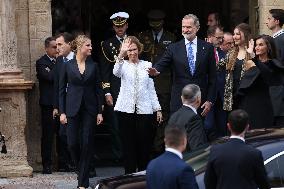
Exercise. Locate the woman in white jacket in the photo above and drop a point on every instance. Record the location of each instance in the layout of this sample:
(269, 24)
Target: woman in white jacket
(136, 103)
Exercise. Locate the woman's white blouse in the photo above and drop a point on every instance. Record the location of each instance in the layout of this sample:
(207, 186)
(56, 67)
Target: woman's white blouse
(137, 88)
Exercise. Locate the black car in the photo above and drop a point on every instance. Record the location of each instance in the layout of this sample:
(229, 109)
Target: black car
(269, 141)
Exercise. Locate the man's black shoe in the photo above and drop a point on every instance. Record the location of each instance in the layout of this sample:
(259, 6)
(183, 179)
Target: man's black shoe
(46, 170)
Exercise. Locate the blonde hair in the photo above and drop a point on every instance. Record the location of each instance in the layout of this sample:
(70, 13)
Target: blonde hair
(246, 30)
(78, 42)
(134, 40)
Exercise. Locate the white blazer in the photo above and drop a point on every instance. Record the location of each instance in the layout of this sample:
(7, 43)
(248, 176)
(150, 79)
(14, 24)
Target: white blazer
(137, 88)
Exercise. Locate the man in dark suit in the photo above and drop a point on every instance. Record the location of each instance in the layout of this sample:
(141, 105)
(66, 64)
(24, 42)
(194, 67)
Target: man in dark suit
(45, 74)
(169, 171)
(275, 22)
(111, 83)
(235, 164)
(65, 54)
(187, 117)
(155, 42)
(216, 119)
(192, 61)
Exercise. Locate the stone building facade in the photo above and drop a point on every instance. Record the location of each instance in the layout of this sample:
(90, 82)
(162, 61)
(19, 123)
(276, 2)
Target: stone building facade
(24, 26)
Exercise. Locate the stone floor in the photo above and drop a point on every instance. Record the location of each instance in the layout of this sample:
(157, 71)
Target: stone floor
(57, 180)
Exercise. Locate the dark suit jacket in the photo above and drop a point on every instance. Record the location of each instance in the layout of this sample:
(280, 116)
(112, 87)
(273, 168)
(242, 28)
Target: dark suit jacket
(221, 77)
(111, 83)
(86, 89)
(279, 42)
(168, 171)
(153, 53)
(57, 72)
(205, 71)
(235, 165)
(45, 75)
(277, 92)
(185, 117)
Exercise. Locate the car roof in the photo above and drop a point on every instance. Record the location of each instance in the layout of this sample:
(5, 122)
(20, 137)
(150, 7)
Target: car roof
(256, 137)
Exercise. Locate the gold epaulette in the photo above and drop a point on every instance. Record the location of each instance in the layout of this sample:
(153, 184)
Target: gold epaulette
(105, 54)
(105, 85)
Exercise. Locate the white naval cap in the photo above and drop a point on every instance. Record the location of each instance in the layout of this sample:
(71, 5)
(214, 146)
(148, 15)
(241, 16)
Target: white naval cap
(119, 18)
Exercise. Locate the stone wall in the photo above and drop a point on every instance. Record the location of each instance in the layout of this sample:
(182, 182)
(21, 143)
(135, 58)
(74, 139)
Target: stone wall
(33, 25)
(264, 7)
(12, 96)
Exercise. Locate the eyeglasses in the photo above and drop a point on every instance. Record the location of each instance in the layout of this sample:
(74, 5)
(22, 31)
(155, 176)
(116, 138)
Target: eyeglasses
(219, 37)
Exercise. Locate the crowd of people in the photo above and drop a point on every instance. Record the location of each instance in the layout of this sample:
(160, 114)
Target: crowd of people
(149, 82)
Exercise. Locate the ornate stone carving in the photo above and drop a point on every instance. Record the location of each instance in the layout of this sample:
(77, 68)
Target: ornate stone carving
(8, 43)
(12, 97)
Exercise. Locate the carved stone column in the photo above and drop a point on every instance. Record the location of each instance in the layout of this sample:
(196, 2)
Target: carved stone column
(12, 98)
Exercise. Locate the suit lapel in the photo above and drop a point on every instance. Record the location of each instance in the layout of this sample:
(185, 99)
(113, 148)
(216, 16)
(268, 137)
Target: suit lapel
(183, 56)
(200, 54)
(162, 37)
(88, 70)
(74, 68)
(117, 42)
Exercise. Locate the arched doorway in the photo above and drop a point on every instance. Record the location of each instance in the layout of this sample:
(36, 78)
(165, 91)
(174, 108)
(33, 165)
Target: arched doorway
(92, 17)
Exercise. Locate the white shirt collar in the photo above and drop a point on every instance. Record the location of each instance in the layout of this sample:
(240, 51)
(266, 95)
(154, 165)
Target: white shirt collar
(193, 109)
(278, 33)
(178, 153)
(238, 137)
(70, 56)
(194, 41)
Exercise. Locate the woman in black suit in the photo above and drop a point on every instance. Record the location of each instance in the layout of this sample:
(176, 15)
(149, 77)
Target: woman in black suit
(262, 72)
(80, 105)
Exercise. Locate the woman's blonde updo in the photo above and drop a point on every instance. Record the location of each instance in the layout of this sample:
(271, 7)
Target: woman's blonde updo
(78, 42)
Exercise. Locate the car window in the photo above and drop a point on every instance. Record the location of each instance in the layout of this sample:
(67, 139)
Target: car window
(275, 170)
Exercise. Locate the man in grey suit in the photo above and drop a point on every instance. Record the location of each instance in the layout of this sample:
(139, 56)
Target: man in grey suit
(275, 21)
(187, 117)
